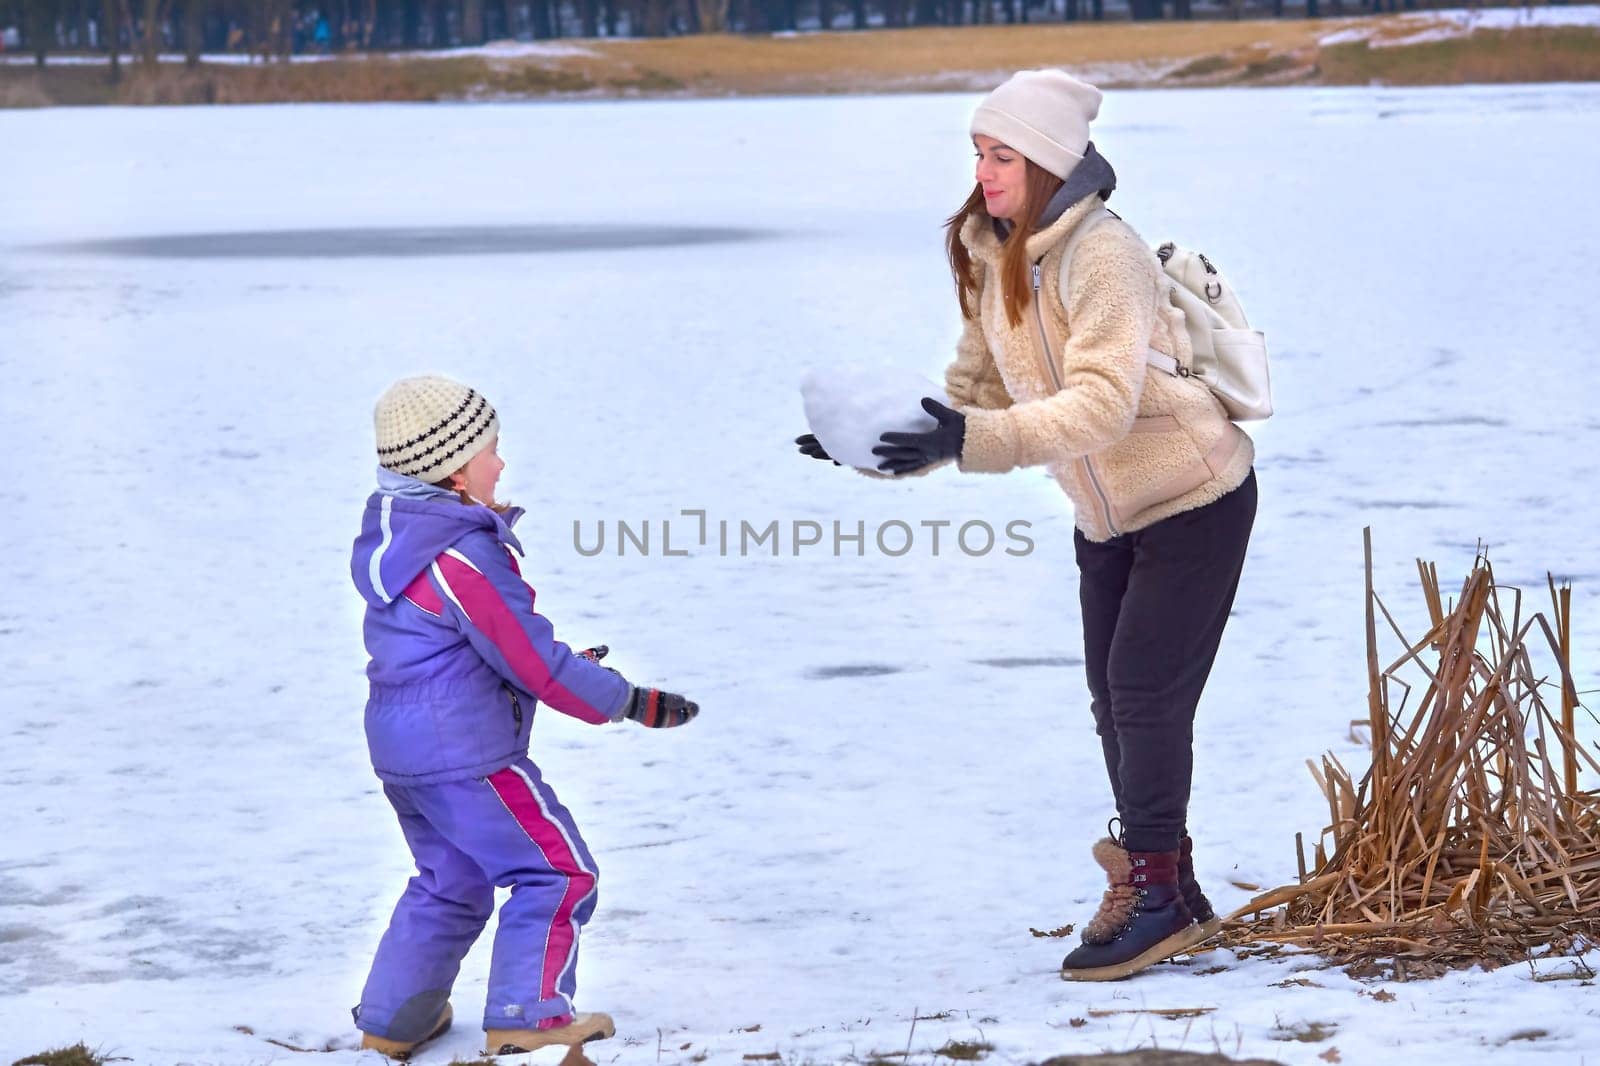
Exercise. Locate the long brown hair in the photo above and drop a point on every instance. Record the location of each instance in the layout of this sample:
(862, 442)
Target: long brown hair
(1015, 276)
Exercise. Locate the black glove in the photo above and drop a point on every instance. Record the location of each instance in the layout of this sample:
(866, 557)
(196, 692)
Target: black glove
(595, 654)
(904, 452)
(659, 710)
(809, 445)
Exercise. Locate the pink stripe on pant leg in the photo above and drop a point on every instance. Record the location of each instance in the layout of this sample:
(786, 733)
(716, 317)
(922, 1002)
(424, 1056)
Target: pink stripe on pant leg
(517, 792)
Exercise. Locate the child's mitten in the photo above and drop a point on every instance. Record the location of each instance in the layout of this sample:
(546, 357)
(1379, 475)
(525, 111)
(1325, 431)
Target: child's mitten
(596, 653)
(659, 710)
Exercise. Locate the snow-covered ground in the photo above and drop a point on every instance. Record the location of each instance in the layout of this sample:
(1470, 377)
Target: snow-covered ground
(1420, 27)
(894, 776)
(505, 49)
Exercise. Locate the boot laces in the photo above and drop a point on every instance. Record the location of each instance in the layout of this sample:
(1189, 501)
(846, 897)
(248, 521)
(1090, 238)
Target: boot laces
(1117, 909)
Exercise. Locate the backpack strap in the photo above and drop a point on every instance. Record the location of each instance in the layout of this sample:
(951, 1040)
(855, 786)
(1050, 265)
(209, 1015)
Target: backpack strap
(1167, 364)
(1079, 232)
(1160, 360)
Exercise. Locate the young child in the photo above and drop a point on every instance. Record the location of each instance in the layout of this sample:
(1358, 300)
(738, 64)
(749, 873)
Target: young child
(459, 660)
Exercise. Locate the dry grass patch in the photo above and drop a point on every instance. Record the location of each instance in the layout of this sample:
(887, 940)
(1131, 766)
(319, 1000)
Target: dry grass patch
(973, 57)
(347, 81)
(23, 91)
(76, 1055)
(1468, 841)
(1538, 54)
(967, 59)
(1304, 1032)
(1204, 67)
(352, 80)
(1155, 1057)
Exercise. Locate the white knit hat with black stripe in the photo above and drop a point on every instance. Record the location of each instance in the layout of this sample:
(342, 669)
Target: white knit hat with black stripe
(428, 427)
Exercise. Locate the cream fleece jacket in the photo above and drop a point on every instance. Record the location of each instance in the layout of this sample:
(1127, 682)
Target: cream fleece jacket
(1129, 445)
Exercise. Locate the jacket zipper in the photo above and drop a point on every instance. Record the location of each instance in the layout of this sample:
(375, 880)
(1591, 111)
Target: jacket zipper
(1055, 379)
(1044, 338)
(516, 708)
(1105, 504)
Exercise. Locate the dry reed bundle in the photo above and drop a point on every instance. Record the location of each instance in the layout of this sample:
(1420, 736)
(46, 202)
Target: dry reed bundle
(1468, 840)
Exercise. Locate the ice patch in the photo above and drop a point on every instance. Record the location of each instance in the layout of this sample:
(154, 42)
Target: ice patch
(405, 241)
(492, 50)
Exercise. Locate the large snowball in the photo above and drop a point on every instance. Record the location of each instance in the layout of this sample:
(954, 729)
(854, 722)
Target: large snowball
(848, 407)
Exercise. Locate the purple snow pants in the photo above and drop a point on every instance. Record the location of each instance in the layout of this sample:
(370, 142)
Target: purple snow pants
(507, 829)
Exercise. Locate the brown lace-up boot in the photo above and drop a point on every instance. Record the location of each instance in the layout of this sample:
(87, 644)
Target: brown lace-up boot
(404, 1049)
(582, 1029)
(1206, 922)
(1142, 917)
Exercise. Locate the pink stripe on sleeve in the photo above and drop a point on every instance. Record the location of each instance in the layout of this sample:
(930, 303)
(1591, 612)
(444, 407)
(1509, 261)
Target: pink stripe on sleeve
(476, 596)
(422, 593)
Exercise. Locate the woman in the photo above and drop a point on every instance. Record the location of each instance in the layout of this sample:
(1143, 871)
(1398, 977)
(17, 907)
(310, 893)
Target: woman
(1053, 370)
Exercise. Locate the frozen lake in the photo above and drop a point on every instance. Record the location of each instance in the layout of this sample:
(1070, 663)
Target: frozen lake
(895, 774)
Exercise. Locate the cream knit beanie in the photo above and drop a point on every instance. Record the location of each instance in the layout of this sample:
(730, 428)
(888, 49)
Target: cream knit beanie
(428, 427)
(1044, 114)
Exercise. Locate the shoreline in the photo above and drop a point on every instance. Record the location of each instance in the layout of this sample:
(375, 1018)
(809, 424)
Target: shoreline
(1490, 46)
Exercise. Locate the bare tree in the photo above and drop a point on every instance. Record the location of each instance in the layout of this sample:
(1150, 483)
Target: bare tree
(546, 18)
(439, 23)
(410, 23)
(713, 15)
(267, 27)
(39, 27)
(83, 10)
(193, 32)
(649, 18)
(155, 17)
(111, 30)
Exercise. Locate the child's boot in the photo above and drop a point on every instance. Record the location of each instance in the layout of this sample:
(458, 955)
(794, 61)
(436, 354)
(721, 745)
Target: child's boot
(1206, 923)
(403, 1049)
(1142, 918)
(580, 1030)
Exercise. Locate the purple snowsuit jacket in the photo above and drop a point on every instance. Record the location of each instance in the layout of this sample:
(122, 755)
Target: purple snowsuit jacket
(459, 655)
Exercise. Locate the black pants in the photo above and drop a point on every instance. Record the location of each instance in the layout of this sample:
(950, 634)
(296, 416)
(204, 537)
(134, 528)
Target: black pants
(1154, 606)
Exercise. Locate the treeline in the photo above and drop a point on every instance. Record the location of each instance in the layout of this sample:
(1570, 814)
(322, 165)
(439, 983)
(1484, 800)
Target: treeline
(280, 28)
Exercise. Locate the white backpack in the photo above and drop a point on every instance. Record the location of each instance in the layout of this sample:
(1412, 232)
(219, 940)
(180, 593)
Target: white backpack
(1230, 358)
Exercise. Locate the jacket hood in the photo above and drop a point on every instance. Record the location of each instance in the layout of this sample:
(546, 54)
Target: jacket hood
(1093, 175)
(403, 530)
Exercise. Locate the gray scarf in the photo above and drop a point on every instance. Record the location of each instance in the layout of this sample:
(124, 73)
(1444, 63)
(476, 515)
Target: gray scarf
(1093, 175)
